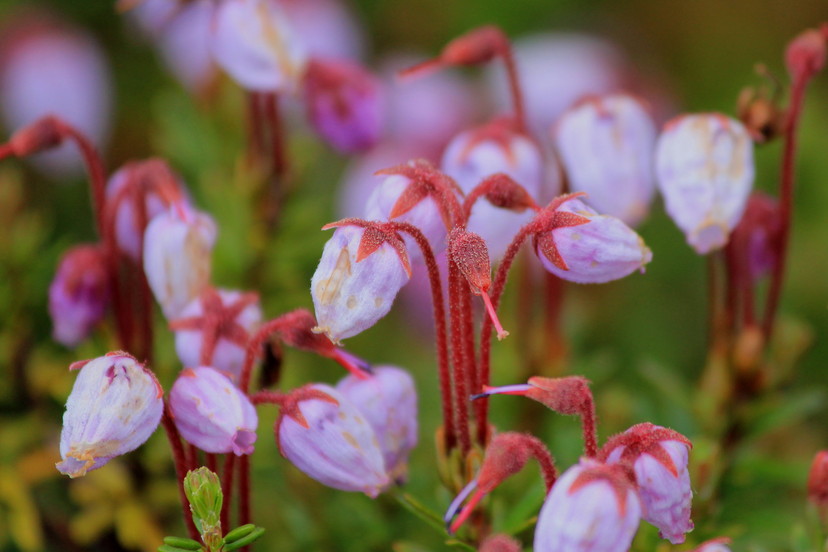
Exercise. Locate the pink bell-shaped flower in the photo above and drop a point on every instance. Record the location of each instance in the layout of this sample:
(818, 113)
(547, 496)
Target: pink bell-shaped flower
(659, 458)
(212, 413)
(325, 27)
(185, 45)
(593, 250)
(324, 435)
(253, 42)
(177, 257)
(495, 148)
(413, 193)
(50, 68)
(79, 294)
(135, 194)
(607, 146)
(704, 164)
(388, 400)
(115, 405)
(213, 329)
(358, 277)
(343, 102)
(593, 507)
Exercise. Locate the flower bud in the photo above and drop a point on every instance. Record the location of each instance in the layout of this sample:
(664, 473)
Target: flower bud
(214, 329)
(388, 400)
(212, 413)
(343, 103)
(705, 171)
(203, 490)
(177, 249)
(599, 250)
(606, 145)
(805, 55)
(78, 295)
(755, 240)
(592, 508)
(495, 148)
(115, 405)
(400, 199)
(659, 458)
(135, 194)
(252, 41)
(358, 277)
(325, 436)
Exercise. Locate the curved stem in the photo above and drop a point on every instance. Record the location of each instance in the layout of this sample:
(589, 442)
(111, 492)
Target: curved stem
(545, 460)
(254, 346)
(508, 57)
(180, 467)
(97, 174)
(227, 490)
(244, 491)
(589, 428)
(786, 190)
(439, 309)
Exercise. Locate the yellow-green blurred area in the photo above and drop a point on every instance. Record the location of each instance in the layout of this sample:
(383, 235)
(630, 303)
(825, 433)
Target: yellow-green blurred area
(641, 341)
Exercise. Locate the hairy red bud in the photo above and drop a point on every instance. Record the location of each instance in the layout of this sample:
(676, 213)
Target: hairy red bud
(503, 192)
(805, 55)
(43, 134)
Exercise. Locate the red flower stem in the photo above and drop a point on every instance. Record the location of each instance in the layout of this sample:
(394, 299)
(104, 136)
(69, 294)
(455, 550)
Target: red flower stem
(227, 490)
(266, 396)
(440, 331)
(212, 462)
(180, 467)
(467, 318)
(786, 190)
(192, 460)
(495, 293)
(507, 55)
(278, 160)
(97, 174)
(589, 427)
(553, 336)
(458, 359)
(545, 460)
(144, 307)
(244, 491)
(254, 347)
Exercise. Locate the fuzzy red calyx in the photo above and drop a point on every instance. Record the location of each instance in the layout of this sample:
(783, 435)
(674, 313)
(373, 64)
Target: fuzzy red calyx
(645, 438)
(425, 181)
(550, 219)
(376, 234)
(805, 55)
(45, 133)
(217, 321)
(620, 478)
(569, 395)
(289, 406)
(503, 192)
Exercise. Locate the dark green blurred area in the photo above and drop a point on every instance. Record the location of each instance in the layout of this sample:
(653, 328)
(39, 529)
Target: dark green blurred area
(642, 341)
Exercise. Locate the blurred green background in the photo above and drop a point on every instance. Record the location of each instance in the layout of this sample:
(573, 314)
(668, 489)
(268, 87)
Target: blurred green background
(642, 341)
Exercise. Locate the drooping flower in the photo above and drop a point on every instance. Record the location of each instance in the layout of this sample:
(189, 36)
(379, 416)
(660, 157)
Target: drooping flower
(388, 400)
(213, 329)
(593, 507)
(598, 249)
(704, 164)
(358, 277)
(135, 194)
(495, 148)
(607, 146)
(659, 457)
(79, 294)
(253, 42)
(48, 68)
(212, 413)
(343, 102)
(324, 435)
(115, 405)
(324, 27)
(178, 246)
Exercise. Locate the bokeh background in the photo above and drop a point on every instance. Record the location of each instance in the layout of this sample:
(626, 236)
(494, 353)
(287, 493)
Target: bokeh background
(642, 341)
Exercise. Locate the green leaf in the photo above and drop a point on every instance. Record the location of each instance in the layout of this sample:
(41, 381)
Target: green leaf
(182, 542)
(418, 509)
(244, 541)
(239, 532)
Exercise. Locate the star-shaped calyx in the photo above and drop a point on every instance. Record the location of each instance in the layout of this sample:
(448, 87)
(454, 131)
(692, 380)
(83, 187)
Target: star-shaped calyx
(289, 405)
(550, 219)
(641, 439)
(375, 234)
(217, 321)
(425, 181)
(501, 130)
(619, 477)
